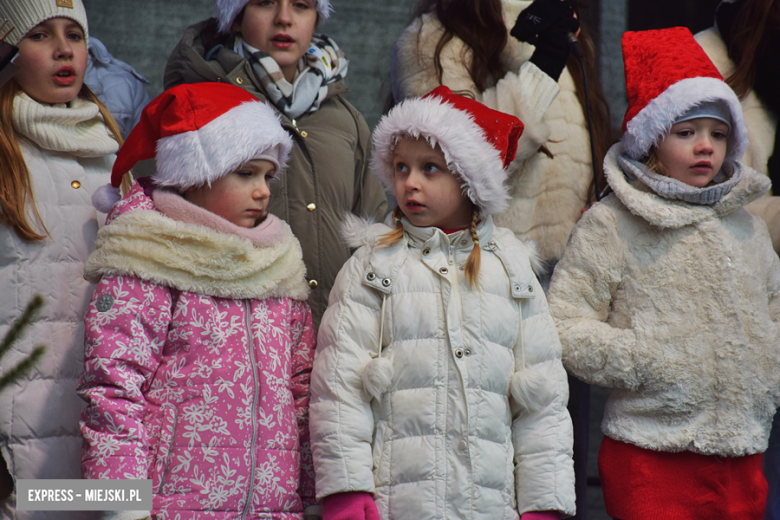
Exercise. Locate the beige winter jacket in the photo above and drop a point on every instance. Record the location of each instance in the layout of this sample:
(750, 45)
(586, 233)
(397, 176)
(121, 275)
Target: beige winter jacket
(547, 194)
(675, 308)
(328, 172)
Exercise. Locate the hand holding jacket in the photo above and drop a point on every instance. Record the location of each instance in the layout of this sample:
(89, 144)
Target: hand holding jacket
(354, 505)
(547, 24)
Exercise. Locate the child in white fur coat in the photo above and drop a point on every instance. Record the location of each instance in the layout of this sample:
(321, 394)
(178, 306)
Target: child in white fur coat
(668, 295)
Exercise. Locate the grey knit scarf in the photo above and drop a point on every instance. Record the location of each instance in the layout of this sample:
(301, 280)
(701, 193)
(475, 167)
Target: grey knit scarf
(728, 177)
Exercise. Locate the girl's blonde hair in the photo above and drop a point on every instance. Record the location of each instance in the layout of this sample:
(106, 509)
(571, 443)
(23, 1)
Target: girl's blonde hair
(652, 162)
(15, 182)
(475, 257)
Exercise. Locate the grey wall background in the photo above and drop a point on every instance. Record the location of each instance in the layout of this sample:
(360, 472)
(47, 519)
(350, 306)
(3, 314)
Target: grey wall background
(144, 32)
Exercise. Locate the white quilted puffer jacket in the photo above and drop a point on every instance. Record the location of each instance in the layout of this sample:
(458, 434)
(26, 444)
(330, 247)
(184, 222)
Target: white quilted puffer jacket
(446, 438)
(69, 154)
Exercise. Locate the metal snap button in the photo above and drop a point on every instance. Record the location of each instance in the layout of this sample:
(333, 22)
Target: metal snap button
(313, 284)
(240, 81)
(386, 282)
(463, 242)
(311, 206)
(463, 445)
(459, 353)
(426, 251)
(444, 270)
(104, 303)
(370, 277)
(467, 352)
(530, 288)
(304, 133)
(75, 185)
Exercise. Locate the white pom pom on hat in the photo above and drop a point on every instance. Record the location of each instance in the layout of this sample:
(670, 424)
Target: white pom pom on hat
(200, 132)
(228, 10)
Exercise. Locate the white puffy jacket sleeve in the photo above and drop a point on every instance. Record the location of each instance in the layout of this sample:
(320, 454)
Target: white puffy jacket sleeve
(341, 420)
(541, 426)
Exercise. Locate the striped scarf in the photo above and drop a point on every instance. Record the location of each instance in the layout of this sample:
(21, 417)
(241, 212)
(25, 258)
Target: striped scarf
(322, 64)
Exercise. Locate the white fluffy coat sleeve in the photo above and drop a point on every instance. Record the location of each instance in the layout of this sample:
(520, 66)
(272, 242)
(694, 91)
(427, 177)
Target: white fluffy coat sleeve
(580, 296)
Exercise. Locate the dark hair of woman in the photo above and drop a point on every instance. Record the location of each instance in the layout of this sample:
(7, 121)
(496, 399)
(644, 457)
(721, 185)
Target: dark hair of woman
(480, 25)
(754, 21)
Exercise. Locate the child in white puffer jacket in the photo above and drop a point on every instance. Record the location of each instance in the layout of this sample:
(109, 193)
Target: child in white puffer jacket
(438, 390)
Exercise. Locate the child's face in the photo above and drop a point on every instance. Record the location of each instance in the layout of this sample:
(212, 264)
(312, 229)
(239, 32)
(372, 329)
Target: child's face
(280, 28)
(428, 193)
(240, 197)
(693, 151)
(52, 61)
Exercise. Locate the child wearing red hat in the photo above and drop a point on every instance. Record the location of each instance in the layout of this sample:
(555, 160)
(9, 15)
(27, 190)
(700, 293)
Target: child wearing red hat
(669, 295)
(438, 390)
(199, 341)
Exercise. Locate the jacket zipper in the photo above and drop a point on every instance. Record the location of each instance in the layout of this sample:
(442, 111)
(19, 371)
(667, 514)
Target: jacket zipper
(254, 414)
(455, 284)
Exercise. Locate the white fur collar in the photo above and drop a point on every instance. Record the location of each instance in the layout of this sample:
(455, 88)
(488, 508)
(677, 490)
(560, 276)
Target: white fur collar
(195, 258)
(672, 213)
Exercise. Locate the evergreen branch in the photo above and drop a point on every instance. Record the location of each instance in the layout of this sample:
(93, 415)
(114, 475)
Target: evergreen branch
(21, 323)
(23, 367)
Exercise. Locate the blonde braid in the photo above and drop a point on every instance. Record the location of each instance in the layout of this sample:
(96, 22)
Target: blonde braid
(474, 259)
(398, 233)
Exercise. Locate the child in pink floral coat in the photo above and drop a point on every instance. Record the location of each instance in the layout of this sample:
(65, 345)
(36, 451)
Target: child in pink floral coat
(199, 343)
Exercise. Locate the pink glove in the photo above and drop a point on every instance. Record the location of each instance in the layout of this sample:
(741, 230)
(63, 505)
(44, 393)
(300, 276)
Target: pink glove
(352, 505)
(541, 515)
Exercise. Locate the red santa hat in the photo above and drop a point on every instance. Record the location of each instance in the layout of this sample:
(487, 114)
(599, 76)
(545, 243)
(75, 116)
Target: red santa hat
(667, 75)
(478, 143)
(198, 133)
(228, 10)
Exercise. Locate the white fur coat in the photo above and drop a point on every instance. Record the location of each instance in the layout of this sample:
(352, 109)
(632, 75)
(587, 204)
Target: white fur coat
(674, 307)
(547, 194)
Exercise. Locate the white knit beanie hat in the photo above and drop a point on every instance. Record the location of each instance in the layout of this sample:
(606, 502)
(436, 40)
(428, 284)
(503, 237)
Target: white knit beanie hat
(26, 14)
(227, 11)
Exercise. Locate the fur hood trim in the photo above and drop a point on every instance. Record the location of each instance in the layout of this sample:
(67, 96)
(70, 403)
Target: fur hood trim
(672, 213)
(469, 152)
(655, 120)
(194, 258)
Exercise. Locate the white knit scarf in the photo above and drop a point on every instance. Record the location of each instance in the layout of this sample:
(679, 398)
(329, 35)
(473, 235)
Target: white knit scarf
(77, 129)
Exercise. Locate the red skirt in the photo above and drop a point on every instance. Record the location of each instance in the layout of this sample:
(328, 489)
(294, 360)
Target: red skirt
(642, 484)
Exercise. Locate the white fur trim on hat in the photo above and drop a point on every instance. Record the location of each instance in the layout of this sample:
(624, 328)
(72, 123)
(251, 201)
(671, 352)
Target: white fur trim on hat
(228, 10)
(657, 118)
(465, 147)
(24, 15)
(239, 135)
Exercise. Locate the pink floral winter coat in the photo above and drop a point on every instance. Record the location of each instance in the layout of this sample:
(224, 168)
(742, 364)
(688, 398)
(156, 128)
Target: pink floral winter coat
(199, 347)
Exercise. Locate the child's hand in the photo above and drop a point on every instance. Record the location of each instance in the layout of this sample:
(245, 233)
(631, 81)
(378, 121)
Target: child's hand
(354, 505)
(541, 515)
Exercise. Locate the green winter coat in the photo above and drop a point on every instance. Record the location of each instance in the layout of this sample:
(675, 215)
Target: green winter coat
(328, 171)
